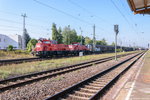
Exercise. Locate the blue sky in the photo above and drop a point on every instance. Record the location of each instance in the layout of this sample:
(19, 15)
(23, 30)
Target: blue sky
(133, 29)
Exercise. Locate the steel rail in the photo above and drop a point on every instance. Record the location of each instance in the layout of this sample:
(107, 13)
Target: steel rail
(67, 91)
(53, 72)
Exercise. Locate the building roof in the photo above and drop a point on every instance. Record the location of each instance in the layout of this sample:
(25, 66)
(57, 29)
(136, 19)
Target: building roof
(140, 6)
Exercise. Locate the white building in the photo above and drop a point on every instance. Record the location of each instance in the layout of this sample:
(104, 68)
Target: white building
(14, 40)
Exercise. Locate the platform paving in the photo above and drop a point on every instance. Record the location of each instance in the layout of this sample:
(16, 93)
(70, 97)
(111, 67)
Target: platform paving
(141, 88)
(138, 85)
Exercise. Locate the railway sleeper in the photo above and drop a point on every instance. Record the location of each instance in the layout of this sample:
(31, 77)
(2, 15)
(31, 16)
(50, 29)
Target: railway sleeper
(83, 93)
(96, 85)
(75, 97)
(88, 90)
(99, 82)
(92, 87)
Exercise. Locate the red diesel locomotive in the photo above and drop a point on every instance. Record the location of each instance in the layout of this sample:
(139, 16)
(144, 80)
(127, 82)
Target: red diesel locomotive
(47, 48)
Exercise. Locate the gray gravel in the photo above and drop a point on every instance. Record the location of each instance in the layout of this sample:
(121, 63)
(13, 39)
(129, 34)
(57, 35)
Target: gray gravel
(41, 89)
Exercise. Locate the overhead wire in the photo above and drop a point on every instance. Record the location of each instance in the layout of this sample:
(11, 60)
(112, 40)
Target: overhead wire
(11, 21)
(131, 19)
(122, 15)
(89, 12)
(10, 13)
(63, 12)
(92, 15)
(8, 26)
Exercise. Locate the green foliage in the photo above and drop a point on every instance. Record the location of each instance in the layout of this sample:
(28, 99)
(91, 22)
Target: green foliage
(73, 36)
(56, 34)
(119, 50)
(113, 44)
(88, 40)
(101, 42)
(26, 37)
(31, 44)
(69, 35)
(104, 42)
(60, 37)
(65, 35)
(10, 48)
(79, 39)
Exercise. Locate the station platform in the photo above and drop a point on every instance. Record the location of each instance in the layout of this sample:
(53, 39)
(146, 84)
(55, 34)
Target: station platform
(136, 85)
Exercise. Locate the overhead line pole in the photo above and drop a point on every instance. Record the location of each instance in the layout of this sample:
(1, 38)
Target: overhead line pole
(24, 32)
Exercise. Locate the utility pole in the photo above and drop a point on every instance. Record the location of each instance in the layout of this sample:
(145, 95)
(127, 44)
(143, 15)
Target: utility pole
(94, 38)
(81, 36)
(116, 29)
(24, 32)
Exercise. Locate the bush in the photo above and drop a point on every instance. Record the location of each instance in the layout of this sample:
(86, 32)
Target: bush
(119, 50)
(31, 44)
(10, 48)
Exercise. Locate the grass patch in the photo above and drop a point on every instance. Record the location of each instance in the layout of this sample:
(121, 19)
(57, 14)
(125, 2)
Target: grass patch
(14, 54)
(30, 67)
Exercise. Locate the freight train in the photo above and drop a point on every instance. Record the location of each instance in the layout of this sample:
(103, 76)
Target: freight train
(48, 48)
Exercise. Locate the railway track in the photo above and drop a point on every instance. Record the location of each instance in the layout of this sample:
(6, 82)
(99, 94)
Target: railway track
(30, 78)
(22, 60)
(95, 87)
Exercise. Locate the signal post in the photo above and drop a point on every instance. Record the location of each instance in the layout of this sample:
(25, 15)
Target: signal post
(116, 29)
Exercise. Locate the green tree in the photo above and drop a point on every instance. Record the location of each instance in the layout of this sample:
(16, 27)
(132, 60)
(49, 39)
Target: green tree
(60, 37)
(104, 41)
(26, 37)
(99, 42)
(31, 44)
(79, 39)
(69, 36)
(10, 48)
(54, 32)
(88, 40)
(65, 34)
(113, 44)
(73, 36)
